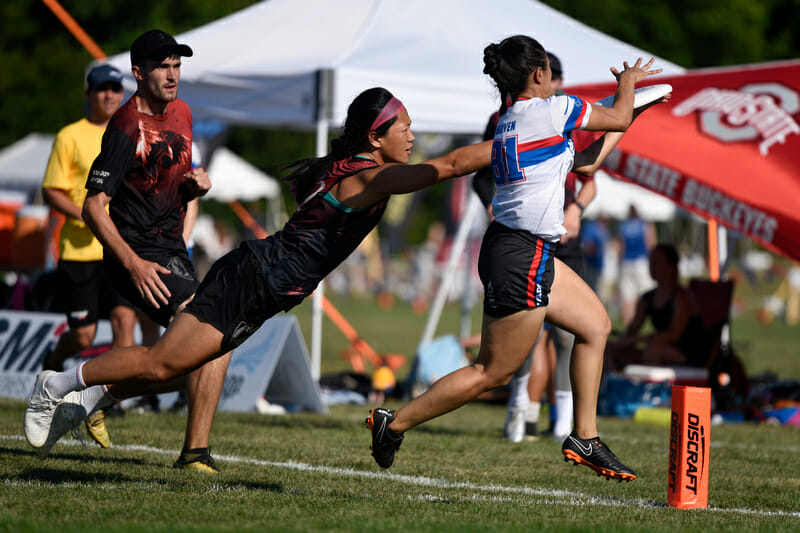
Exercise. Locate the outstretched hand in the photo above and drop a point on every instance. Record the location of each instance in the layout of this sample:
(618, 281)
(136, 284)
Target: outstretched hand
(637, 72)
(198, 182)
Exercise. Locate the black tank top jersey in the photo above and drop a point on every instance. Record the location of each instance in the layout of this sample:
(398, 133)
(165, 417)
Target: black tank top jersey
(691, 341)
(141, 166)
(660, 315)
(318, 237)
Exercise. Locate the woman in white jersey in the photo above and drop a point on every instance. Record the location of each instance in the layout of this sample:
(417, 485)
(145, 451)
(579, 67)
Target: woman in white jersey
(531, 156)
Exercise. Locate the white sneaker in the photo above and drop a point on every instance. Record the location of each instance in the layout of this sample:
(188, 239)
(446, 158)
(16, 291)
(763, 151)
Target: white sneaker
(68, 416)
(514, 428)
(39, 412)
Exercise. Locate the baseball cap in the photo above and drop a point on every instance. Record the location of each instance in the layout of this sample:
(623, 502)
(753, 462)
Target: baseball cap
(555, 66)
(103, 73)
(157, 45)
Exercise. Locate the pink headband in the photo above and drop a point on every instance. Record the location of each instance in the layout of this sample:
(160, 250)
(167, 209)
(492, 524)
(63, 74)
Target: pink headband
(391, 109)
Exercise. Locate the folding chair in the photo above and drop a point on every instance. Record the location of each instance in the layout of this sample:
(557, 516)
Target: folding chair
(714, 300)
(726, 373)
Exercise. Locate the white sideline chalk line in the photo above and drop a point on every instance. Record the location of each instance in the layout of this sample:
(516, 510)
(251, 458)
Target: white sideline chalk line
(555, 496)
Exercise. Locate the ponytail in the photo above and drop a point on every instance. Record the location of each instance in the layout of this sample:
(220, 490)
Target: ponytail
(362, 114)
(510, 62)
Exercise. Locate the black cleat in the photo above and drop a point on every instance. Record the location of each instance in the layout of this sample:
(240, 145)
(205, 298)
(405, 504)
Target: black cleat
(384, 442)
(531, 431)
(197, 459)
(597, 456)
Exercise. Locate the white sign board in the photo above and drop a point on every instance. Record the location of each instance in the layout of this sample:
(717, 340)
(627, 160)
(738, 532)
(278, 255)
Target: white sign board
(272, 363)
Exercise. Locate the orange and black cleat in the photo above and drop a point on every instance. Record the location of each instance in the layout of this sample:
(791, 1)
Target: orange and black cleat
(597, 456)
(384, 441)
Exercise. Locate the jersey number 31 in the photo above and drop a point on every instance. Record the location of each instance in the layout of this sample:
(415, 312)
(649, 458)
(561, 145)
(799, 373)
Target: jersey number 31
(505, 164)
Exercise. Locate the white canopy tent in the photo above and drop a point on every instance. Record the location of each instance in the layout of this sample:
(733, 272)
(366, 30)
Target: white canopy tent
(614, 199)
(294, 62)
(22, 164)
(234, 179)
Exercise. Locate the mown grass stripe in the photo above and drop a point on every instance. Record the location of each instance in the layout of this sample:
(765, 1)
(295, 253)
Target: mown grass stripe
(562, 497)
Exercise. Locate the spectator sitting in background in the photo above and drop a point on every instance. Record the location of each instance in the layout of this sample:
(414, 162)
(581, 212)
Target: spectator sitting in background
(674, 314)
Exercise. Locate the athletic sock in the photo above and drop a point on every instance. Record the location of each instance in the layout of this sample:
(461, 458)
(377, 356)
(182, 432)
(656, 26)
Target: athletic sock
(532, 413)
(94, 399)
(563, 422)
(193, 454)
(519, 391)
(58, 385)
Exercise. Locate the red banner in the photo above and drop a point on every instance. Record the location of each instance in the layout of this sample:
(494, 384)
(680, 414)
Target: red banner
(726, 146)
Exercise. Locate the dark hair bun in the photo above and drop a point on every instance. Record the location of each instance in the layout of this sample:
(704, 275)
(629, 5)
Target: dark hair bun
(490, 59)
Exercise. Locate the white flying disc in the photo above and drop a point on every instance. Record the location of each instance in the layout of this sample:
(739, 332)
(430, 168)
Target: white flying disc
(641, 96)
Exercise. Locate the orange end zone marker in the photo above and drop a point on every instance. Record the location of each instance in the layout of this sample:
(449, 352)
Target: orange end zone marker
(689, 446)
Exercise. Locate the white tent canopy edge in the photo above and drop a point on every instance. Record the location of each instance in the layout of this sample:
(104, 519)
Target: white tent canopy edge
(263, 65)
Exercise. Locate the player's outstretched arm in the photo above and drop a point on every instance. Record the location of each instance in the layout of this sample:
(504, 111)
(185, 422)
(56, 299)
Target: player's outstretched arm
(400, 179)
(589, 160)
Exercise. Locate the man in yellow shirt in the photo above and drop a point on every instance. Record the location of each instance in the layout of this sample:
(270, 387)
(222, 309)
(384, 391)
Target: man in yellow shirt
(85, 294)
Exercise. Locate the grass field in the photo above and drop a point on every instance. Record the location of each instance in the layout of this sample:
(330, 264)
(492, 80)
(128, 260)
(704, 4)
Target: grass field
(456, 473)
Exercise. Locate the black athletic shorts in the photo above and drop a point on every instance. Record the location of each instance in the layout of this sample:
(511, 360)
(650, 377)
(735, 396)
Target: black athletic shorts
(516, 269)
(234, 298)
(84, 292)
(181, 282)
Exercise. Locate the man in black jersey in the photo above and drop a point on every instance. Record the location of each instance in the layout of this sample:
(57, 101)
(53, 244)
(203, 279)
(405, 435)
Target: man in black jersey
(144, 173)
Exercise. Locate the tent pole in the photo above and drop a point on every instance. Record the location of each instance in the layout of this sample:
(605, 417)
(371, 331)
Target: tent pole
(324, 105)
(722, 246)
(75, 29)
(713, 251)
(460, 240)
(467, 299)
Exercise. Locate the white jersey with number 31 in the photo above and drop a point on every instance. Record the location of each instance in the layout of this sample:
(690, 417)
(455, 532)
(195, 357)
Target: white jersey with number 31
(532, 154)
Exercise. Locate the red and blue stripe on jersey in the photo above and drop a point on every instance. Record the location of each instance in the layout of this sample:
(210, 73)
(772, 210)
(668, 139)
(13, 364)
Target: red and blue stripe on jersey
(534, 152)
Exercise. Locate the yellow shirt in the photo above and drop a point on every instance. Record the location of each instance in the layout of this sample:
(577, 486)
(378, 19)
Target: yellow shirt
(74, 150)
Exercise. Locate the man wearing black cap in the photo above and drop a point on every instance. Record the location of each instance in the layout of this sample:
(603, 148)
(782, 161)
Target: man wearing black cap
(144, 172)
(83, 289)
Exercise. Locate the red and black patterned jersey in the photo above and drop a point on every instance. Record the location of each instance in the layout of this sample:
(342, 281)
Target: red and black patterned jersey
(319, 236)
(141, 166)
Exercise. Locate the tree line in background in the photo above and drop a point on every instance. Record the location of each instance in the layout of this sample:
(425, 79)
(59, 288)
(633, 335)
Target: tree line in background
(42, 64)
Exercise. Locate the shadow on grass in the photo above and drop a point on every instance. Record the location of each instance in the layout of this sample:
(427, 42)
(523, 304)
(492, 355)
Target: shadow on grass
(455, 432)
(59, 476)
(292, 422)
(67, 470)
(260, 487)
(82, 458)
